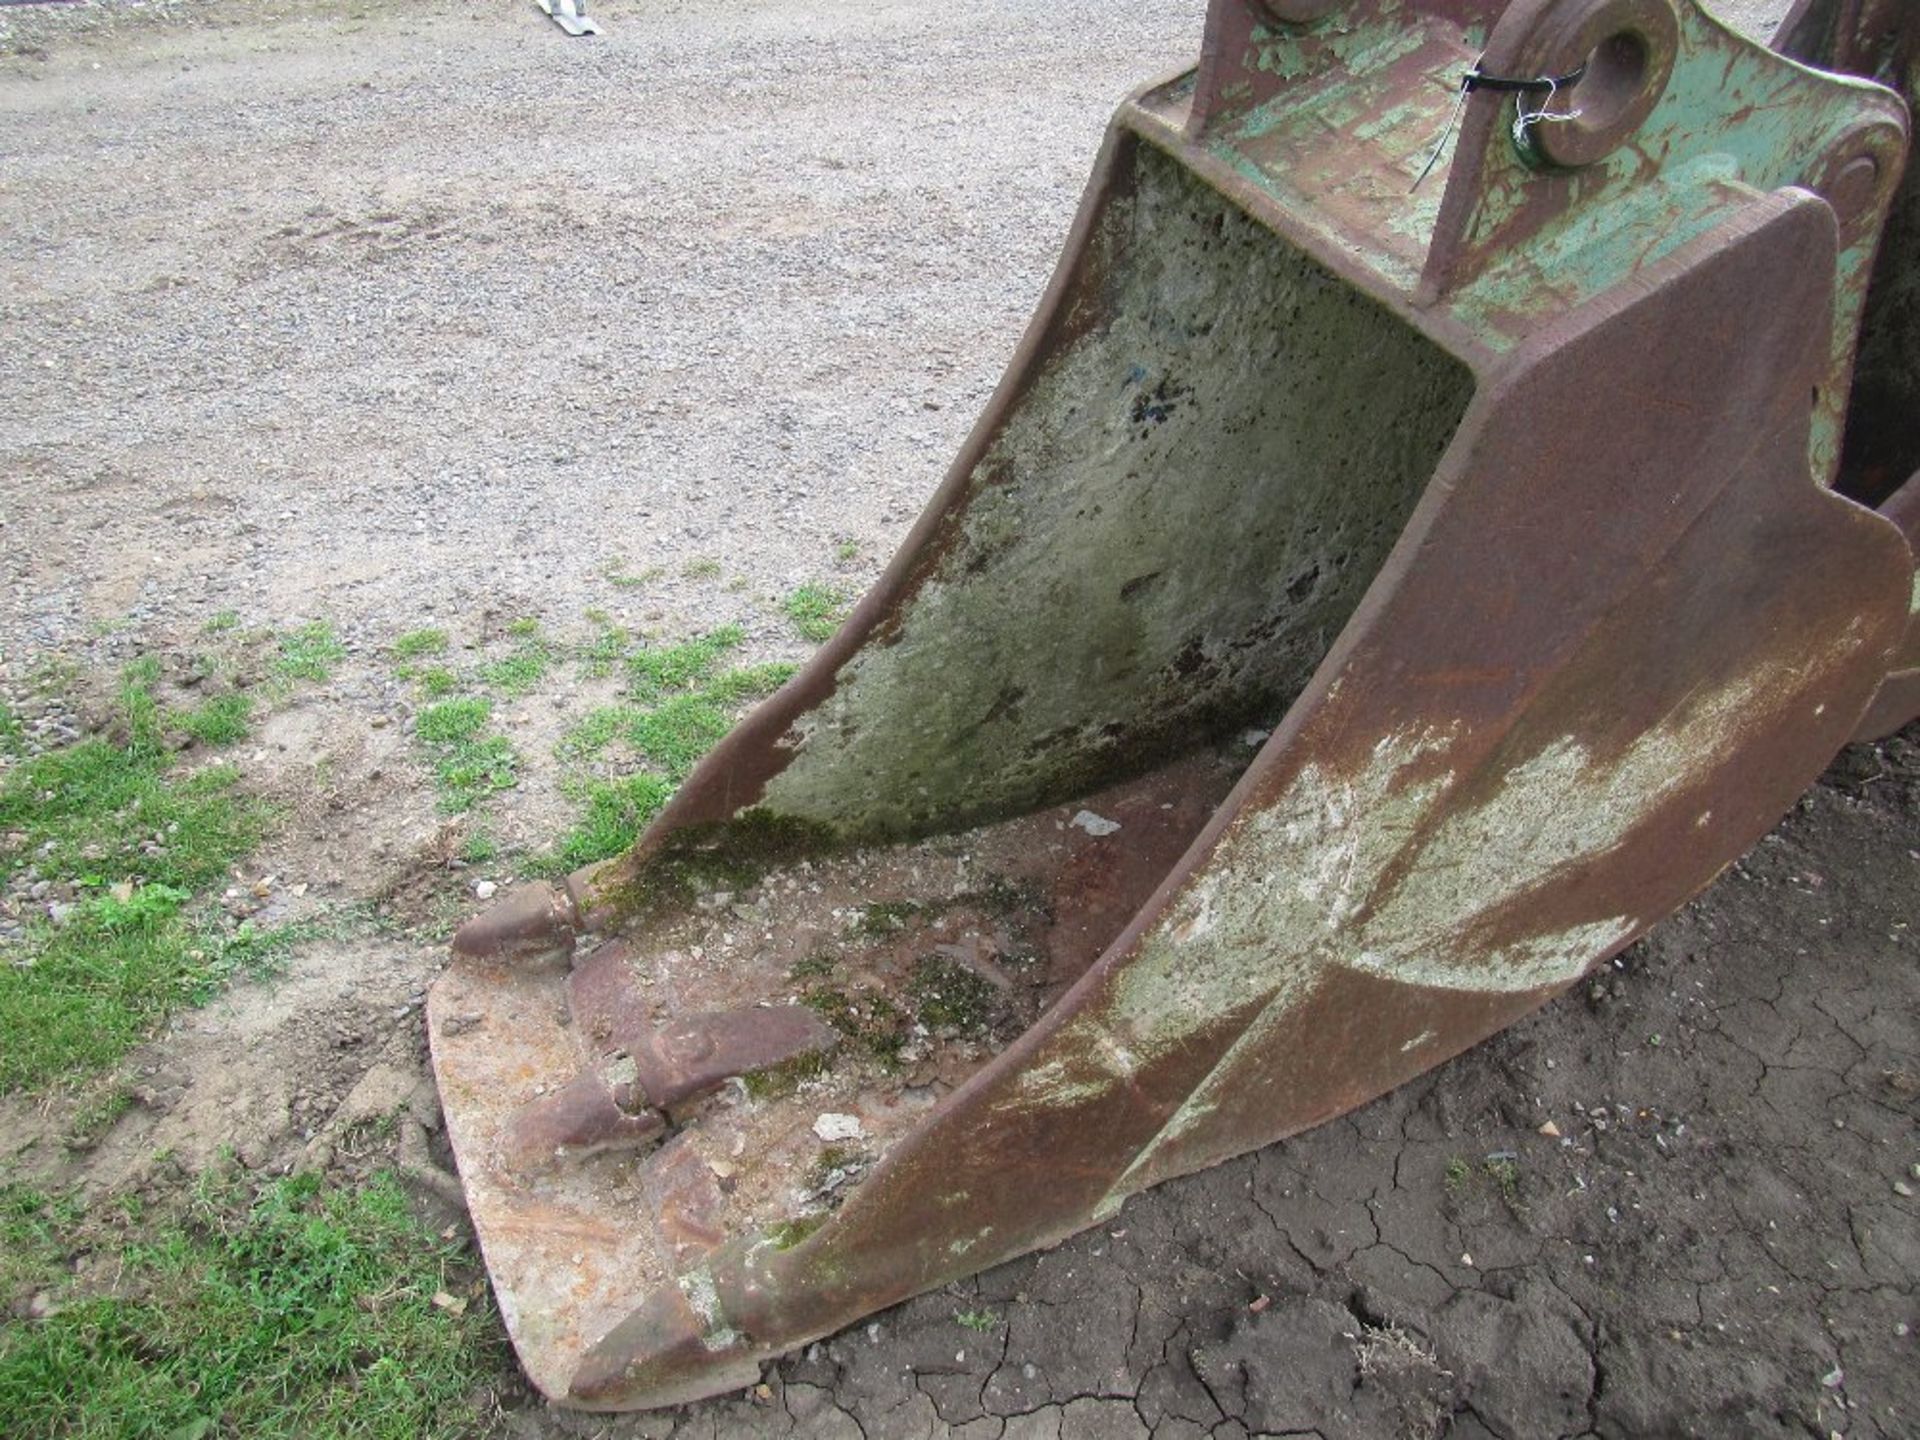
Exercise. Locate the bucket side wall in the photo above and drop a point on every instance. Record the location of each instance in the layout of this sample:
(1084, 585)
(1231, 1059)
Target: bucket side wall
(1218, 446)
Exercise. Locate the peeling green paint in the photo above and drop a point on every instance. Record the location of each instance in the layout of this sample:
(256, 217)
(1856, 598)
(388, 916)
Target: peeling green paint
(703, 1296)
(1734, 120)
(1395, 869)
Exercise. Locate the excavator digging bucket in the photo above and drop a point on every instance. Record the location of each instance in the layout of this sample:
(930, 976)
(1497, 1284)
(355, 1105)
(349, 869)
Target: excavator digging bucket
(1368, 602)
(1880, 456)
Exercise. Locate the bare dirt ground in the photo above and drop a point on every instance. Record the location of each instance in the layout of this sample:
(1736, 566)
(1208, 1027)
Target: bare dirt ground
(423, 315)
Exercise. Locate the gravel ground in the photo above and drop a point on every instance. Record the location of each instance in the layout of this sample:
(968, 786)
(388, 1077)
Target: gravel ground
(415, 313)
(425, 315)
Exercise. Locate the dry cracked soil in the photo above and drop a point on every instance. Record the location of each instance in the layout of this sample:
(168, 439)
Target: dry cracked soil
(418, 314)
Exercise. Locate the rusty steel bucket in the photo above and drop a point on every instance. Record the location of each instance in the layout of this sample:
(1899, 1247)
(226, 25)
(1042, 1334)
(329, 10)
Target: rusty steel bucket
(1364, 606)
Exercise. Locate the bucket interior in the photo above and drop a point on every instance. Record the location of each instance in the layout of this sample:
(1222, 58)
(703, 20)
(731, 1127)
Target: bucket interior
(1189, 491)
(1204, 463)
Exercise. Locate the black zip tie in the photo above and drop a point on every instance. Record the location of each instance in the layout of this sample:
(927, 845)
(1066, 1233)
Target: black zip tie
(1478, 79)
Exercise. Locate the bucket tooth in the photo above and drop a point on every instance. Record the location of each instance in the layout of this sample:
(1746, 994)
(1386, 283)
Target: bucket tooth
(1369, 602)
(530, 922)
(601, 1108)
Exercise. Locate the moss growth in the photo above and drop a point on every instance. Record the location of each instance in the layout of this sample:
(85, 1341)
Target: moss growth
(775, 1082)
(1004, 895)
(867, 1018)
(886, 917)
(731, 855)
(786, 1234)
(816, 966)
(949, 998)
(834, 1160)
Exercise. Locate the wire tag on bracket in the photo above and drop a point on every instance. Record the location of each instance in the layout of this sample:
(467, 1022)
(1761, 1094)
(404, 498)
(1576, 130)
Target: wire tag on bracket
(1523, 120)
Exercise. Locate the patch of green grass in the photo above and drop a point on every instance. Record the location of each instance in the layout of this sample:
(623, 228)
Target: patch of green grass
(978, 1320)
(132, 842)
(617, 575)
(847, 551)
(93, 988)
(704, 567)
(223, 720)
(678, 732)
(418, 644)
(480, 848)
(751, 682)
(654, 672)
(102, 812)
(13, 735)
(468, 763)
(309, 653)
(55, 675)
(615, 813)
(680, 710)
(32, 1226)
(222, 621)
(138, 707)
(595, 730)
(606, 650)
(1458, 1173)
(1505, 1175)
(437, 682)
(518, 673)
(815, 610)
(294, 1310)
(949, 997)
(97, 1114)
(524, 628)
(453, 722)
